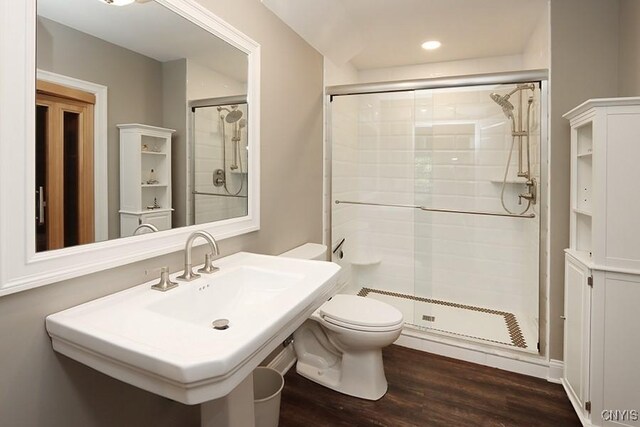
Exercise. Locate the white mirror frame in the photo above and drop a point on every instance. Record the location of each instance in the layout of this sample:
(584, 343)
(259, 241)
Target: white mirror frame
(21, 267)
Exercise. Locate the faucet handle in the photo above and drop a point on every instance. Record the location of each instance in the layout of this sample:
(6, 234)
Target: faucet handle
(165, 282)
(208, 267)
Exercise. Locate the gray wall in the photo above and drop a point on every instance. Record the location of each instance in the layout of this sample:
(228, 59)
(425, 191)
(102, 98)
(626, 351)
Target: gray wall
(174, 107)
(584, 64)
(134, 86)
(41, 388)
(629, 63)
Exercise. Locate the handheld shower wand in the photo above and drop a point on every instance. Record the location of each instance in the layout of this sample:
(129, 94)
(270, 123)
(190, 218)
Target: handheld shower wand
(508, 110)
(233, 117)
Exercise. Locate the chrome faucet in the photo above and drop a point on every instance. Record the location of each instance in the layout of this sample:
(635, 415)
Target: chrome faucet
(151, 227)
(208, 268)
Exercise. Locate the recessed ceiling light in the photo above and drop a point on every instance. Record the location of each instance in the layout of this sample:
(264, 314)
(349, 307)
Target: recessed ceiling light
(118, 2)
(431, 44)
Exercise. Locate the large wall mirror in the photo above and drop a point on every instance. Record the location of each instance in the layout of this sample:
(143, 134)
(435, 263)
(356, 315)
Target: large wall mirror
(172, 151)
(145, 126)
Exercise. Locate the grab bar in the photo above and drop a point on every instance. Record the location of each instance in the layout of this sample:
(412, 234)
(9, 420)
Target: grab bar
(202, 193)
(423, 208)
(338, 246)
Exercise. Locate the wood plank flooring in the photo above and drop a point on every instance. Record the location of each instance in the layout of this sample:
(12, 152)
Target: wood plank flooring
(429, 390)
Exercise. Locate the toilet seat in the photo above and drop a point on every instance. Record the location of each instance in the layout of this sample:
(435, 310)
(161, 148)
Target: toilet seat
(361, 314)
(363, 328)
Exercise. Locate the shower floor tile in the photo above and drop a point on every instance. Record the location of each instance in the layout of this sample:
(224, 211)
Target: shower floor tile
(481, 324)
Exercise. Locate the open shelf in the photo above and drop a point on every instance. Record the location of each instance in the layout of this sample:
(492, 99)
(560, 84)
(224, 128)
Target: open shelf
(145, 177)
(584, 139)
(582, 212)
(583, 232)
(584, 257)
(584, 171)
(365, 260)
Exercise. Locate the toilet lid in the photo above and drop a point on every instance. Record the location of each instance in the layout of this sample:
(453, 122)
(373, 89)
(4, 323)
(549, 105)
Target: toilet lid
(360, 311)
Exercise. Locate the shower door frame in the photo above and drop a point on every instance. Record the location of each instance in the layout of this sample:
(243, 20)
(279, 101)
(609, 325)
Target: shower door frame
(515, 77)
(191, 135)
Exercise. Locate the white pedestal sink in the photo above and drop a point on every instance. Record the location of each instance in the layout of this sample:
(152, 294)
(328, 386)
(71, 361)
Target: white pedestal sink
(164, 342)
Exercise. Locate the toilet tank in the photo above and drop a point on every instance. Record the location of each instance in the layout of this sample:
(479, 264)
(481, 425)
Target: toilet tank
(314, 251)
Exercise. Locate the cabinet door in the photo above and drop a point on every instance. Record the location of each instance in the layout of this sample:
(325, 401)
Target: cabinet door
(577, 311)
(162, 220)
(621, 351)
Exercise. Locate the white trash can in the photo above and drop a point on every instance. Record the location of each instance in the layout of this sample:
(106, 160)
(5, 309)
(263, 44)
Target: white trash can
(267, 389)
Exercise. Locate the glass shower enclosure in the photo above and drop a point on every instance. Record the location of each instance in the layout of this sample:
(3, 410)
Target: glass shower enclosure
(218, 160)
(436, 194)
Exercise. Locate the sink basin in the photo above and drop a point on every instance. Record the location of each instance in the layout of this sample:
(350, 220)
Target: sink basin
(164, 342)
(240, 294)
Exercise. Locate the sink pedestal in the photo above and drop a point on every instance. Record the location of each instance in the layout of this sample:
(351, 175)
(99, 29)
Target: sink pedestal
(232, 410)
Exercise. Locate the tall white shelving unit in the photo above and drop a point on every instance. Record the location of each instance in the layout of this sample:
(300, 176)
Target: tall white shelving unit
(602, 264)
(145, 196)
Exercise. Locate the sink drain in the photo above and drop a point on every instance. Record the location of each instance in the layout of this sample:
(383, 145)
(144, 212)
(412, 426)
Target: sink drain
(220, 324)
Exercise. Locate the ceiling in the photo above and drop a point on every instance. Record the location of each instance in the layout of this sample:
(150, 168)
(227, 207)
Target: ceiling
(387, 33)
(149, 29)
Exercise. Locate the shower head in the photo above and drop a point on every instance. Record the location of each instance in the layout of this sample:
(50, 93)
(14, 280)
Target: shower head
(503, 101)
(233, 115)
(243, 123)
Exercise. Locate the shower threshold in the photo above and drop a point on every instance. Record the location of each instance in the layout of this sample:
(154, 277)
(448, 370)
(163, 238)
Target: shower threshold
(484, 325)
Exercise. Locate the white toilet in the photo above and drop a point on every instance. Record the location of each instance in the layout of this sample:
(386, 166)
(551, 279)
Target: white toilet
(340, 346)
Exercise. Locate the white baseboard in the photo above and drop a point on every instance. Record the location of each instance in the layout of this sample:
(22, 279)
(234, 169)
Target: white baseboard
(284, 360)
(576, 405)
(556, 369)
(526, 364)
(535, 366)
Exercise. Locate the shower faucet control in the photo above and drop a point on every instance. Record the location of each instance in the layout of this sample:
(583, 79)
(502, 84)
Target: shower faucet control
(219, 178)
(531, 194)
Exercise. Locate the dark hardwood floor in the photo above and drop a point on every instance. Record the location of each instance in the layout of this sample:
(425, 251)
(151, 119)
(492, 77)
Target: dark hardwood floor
(429, 390)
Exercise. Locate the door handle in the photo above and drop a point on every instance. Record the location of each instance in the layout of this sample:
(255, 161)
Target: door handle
(41, 205)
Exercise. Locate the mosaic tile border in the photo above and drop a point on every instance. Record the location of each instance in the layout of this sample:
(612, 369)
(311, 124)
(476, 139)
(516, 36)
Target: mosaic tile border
(515, 333)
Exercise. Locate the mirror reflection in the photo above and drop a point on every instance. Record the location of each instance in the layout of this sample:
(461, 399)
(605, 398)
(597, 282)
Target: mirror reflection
(141, 123)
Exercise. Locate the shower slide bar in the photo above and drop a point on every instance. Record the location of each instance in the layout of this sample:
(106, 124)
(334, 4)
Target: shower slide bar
(202, 193)
(423, 208)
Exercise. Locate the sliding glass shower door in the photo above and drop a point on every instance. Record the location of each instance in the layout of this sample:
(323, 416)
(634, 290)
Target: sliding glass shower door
(476, 252)
(219, 162)
(430, 222)
(373, 195)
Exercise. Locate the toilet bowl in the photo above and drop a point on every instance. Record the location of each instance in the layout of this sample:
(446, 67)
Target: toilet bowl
(340, 345)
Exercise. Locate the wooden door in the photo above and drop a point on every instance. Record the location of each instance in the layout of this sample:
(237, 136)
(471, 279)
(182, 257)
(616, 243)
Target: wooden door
(64, 167)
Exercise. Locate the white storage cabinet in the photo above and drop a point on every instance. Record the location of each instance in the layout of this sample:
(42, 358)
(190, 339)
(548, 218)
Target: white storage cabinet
(602, 264)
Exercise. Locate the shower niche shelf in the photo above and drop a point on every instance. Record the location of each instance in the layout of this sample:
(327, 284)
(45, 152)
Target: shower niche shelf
(365, 260)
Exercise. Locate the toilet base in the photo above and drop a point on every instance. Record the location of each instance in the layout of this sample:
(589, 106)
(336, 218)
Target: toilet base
(358, 374)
